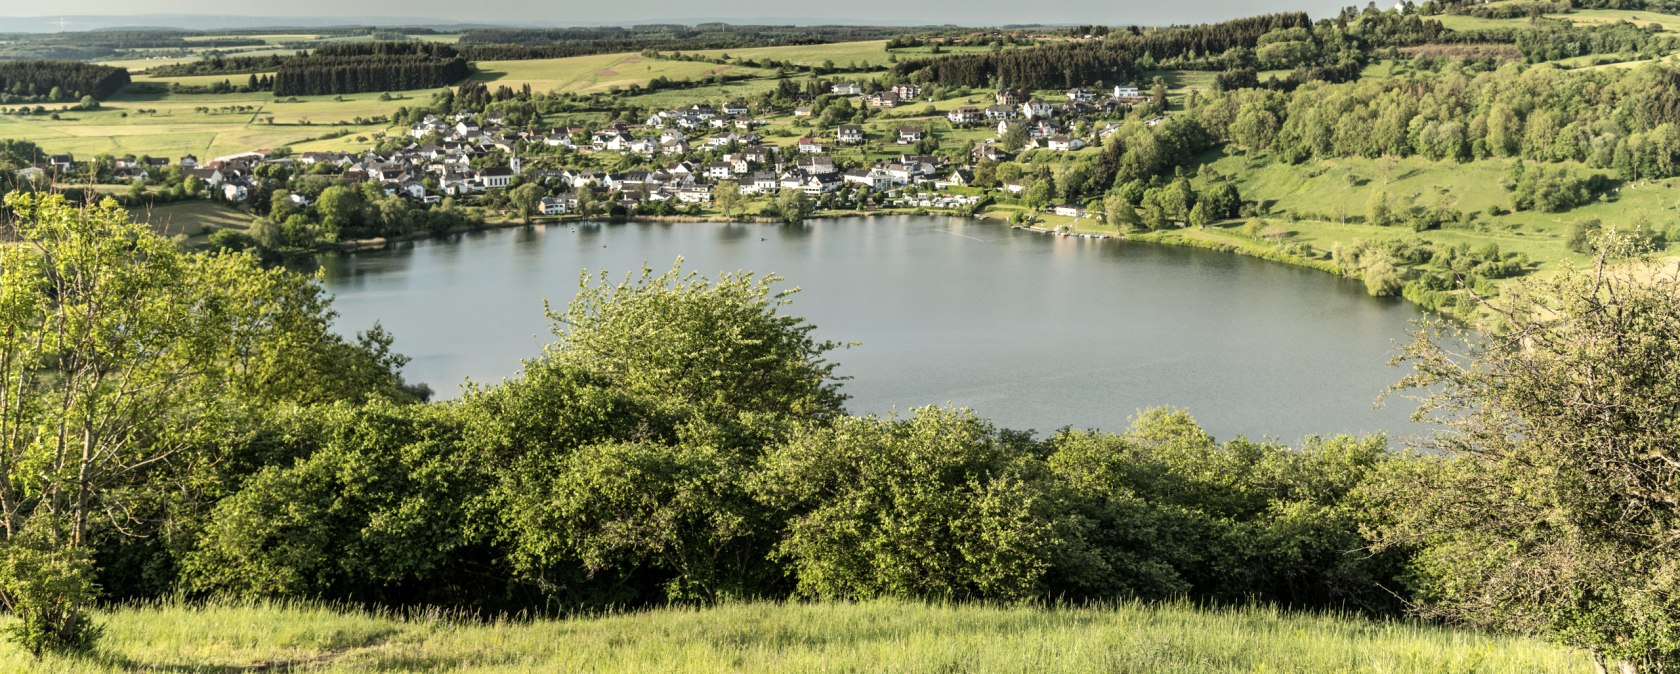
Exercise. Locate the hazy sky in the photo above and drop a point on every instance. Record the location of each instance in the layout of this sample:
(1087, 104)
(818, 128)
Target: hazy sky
(1113, 12)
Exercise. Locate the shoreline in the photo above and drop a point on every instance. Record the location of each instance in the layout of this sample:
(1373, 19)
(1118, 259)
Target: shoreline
(375, 243)
(1163, 238)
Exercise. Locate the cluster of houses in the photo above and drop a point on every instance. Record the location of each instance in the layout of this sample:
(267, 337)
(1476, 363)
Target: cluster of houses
(228, 177)
(463, 154)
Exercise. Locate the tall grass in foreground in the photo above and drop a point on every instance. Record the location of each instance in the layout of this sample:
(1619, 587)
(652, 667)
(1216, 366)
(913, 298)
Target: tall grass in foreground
(879, 636)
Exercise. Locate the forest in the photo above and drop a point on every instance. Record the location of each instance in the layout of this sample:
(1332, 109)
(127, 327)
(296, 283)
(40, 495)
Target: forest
(370, 66)
(51, 81)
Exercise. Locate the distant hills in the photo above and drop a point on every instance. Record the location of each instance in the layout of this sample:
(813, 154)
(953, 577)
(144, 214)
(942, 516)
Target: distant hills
(71, 23)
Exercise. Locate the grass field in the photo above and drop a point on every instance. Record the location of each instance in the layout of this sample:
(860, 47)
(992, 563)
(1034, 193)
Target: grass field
(1667, 23)
(178, 127)
(1324, 196)
(600, 72)
(881, 636)
(195, 219)
(1323, 202)
(196, 80)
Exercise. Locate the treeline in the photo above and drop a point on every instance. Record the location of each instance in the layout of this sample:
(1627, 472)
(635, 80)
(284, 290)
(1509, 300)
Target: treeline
(370, 66)
(221, 65)
(103, 44)
(60, 80)
(1625, 120)
(1552, 43)
(510, 43)
(1113, 59)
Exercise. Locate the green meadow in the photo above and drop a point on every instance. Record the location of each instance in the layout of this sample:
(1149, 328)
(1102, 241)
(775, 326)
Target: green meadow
(878, 636)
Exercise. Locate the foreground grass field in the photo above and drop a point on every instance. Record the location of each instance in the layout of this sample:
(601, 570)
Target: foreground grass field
(882, 636)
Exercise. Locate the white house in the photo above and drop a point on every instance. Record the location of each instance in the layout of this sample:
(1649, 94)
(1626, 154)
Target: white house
(1063, 143)
(965, 115)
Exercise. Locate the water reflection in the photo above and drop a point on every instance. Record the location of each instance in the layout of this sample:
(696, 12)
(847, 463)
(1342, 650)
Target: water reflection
(1031, 330)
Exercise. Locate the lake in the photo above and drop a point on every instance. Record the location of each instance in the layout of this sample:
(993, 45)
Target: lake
(1030, 330)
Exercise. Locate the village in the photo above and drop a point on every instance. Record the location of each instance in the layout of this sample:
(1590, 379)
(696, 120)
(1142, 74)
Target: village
(687, 155)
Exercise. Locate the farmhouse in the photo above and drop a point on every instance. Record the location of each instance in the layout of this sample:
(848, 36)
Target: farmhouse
(910, 135)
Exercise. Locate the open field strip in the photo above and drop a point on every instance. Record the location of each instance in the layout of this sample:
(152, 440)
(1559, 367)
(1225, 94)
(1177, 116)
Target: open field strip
(877, 636)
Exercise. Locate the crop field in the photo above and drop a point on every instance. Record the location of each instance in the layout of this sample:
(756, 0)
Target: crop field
(207, 125)
(600, 72)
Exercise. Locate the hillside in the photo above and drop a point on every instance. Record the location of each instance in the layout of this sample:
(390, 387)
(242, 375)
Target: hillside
(881, 636)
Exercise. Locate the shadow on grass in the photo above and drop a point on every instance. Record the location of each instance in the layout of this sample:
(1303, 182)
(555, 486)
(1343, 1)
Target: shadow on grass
(335, 650)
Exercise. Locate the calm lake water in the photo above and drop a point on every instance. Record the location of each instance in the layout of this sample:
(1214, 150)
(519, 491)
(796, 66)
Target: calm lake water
(1030, 330)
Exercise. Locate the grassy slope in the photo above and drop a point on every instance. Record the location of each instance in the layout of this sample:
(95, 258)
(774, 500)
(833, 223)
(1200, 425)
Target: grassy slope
(195, 218)
(870, 637)
(1325, 193)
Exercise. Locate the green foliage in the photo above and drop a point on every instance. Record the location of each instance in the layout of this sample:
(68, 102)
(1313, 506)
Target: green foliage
(376, 508)
(937, 505)
(1166, 511)
(622, 451)
(793, 206)
(48, 586)
(1555, 190)
(1546, 509)
(123, 361)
